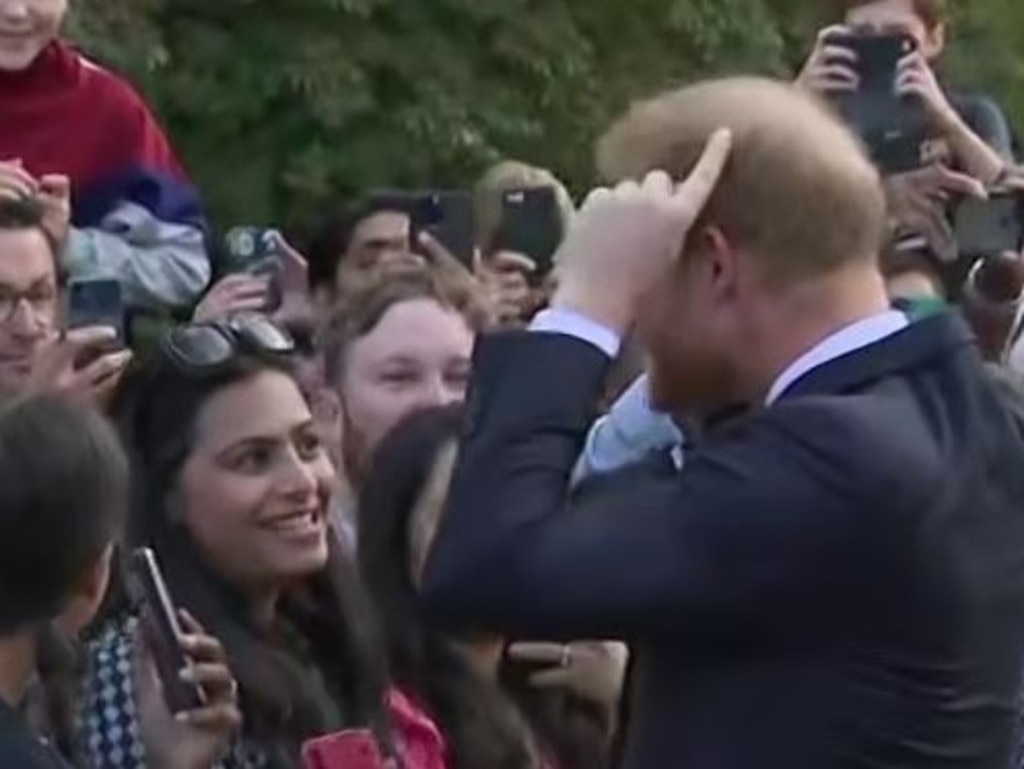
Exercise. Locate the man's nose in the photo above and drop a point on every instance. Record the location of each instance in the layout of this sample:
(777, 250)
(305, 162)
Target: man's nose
(25, 322)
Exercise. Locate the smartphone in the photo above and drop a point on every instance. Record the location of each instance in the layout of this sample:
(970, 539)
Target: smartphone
(989, 227)
(354, 749)
(531, 224)
(448, 217)
(162, 631)
(256, 251)
(96, 302)
(895, 129)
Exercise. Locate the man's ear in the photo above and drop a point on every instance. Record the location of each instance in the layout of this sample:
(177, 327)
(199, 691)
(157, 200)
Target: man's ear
(88, 595)
(721, 256)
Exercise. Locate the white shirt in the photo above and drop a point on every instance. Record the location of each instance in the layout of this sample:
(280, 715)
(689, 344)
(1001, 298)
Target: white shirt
(848, 339)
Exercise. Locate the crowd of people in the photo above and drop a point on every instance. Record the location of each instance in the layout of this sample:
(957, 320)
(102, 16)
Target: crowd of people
(727, 475)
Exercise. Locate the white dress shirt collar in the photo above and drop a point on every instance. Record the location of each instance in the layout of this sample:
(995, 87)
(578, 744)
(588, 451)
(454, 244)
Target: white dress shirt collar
(848, 339)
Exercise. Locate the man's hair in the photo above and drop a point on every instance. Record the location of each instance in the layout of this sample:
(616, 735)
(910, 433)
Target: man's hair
(26, 214)
(360, 309)
(63, 498)
(931, 12)
(332, 234)
(798, 189)
(505, 177)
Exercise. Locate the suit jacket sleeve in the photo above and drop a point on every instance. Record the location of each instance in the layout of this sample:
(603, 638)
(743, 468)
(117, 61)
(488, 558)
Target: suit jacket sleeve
(733, 543)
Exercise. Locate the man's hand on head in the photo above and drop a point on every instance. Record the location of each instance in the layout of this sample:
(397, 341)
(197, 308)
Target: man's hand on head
(624, 240)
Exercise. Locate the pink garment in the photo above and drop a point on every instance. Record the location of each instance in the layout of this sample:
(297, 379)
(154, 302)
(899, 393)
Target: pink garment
(419, 741)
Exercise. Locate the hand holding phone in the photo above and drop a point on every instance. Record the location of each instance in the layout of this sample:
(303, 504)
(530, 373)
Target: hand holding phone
(96, 304)
(163, 633)
(531, 225)
(989, 227)
(447, 216)
(894, 127)
(830, 69)
(257, 252)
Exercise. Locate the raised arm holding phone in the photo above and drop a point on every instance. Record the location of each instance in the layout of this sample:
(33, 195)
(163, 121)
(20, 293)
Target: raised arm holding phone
(846, 58)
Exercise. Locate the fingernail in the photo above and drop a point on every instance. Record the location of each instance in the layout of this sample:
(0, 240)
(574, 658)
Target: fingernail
(183, 717)
(187, 675)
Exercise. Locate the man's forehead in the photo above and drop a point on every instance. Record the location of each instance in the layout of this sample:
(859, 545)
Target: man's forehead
(895, 14)
(25, 258)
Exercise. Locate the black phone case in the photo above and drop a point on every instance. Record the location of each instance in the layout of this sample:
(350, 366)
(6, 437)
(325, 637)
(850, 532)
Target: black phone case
(161, 632)
(531, 225)
(96, 303)
(448, 217)
(895, 130)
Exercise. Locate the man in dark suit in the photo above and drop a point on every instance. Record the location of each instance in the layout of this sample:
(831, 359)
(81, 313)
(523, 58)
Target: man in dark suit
(835, 578)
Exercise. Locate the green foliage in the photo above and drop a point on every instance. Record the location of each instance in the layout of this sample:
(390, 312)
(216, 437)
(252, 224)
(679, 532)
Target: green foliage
(279, 105)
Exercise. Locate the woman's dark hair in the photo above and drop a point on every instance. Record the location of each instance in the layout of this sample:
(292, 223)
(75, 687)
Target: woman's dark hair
(326, 621)
(484, 726)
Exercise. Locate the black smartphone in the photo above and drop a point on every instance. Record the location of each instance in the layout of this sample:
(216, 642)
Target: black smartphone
(895, 129)
(97, 302)
(989, 227)
(531, 224)
(256, 251)
(162, 632)
(447, 215)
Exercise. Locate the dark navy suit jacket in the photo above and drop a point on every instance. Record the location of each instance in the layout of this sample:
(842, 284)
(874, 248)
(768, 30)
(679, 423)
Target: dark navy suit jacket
(834, 581)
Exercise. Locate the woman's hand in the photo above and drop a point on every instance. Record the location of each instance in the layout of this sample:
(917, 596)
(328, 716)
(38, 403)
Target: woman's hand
(196, 739)
(592, 670)
(238, 293)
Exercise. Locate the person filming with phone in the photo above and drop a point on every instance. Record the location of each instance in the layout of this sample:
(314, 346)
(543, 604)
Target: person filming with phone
(968, 133)
(37, 354)
(64, 494)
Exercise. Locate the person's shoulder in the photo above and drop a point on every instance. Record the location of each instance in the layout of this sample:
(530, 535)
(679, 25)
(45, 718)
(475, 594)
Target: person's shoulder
(109, 90)
(20, 748)
(876, 440)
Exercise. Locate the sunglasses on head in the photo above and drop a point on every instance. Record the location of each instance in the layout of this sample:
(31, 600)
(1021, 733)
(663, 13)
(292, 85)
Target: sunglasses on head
(201, 347)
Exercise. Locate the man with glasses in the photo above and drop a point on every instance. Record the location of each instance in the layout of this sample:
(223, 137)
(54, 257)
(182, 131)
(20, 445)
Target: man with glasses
(34, 354)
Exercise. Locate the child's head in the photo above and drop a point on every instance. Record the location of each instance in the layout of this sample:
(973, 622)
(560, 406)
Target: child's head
(26, 28)
(63, 495)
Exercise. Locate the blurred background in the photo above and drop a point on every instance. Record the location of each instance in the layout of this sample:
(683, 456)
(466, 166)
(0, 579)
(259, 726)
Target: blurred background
(276, 104)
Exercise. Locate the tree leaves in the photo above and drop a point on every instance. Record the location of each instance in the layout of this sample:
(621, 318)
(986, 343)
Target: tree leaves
(276, 106)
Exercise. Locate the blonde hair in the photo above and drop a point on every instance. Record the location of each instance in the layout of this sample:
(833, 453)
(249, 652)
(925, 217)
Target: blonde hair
(798, 189)
(360, 308)
(505, 177)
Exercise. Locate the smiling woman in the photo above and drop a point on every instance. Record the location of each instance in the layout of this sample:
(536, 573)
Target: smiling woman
(231, 492)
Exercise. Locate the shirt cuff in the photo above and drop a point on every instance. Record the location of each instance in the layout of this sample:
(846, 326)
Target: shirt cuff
(575, 324)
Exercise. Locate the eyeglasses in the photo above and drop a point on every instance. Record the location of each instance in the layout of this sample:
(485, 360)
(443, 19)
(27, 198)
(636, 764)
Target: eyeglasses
(200, 348)
(41, 300)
